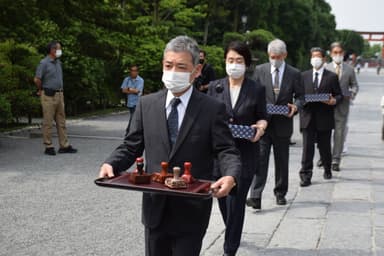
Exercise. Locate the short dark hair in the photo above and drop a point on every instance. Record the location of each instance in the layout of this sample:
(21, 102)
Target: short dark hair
(133, 65)
(242, 49)
(52, 44)
(336, 44)
(318, 49)
(203, 52)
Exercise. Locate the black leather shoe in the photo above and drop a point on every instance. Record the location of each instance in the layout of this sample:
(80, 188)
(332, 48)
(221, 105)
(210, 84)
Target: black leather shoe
(327, 175)
(280, 200)
(68, 149)
(255, 203)
(319, 163)
(335, 167)
(50, 151)
(305, 183)
(228, 254)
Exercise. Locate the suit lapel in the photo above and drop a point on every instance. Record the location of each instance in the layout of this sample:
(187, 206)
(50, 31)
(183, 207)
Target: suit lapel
(308, 83)
(323, 83)
(268, 84)
(190, 116)
(286, 81)
(161, 121)
(227, 96)
(242, 95)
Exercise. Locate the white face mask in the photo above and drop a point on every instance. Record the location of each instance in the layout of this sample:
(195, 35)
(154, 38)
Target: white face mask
(176, 81)
(276, 63)
(316, 62)
(235, 70)
(59, 53)
(337, 59)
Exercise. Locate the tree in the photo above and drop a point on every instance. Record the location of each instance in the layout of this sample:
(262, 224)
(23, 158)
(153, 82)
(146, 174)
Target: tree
(352, 41)
(17, 62)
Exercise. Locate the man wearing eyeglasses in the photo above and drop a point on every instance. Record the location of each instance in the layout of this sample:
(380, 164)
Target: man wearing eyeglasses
(133, 86)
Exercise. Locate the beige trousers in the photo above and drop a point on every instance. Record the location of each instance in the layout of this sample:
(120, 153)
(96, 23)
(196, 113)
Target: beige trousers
(53, 109)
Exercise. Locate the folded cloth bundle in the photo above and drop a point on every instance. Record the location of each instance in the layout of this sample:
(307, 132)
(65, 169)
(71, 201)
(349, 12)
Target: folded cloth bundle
(317, 97)
(242, 131)
(277, 109)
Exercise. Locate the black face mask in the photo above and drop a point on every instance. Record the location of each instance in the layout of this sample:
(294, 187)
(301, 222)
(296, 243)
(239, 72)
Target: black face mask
(201, 61)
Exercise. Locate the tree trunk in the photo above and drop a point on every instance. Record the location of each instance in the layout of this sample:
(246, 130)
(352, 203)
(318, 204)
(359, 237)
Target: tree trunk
(206, 30)
(155, 12)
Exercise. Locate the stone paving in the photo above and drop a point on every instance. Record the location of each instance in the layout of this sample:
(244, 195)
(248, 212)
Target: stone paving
(50, 205)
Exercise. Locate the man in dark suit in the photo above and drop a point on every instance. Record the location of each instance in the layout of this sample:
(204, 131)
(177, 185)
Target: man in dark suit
(282, 84)
(174, 125)
(349, 88)
(317, 118)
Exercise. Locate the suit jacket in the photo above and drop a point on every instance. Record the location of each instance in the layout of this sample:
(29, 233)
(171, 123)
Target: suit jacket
(348, 85)
(203, 135)
(291, 88)
(322, 113)
(249, 108)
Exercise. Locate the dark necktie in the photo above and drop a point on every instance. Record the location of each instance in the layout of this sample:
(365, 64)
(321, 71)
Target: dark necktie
(316, 82)
(173, 121)
(276, 88)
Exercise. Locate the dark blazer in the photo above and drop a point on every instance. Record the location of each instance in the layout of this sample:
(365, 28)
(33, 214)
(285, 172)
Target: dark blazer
(202, 136)
(250, 108)
(323, 113)
(291, 88)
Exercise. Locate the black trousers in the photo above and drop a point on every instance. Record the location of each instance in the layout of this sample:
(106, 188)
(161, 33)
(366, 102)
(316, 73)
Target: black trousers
(131, 111)
(281, 156)
(323, 138)
(232, 208)
(162, 242)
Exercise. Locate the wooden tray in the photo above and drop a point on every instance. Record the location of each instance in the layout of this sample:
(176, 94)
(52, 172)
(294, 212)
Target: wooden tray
(199, 189)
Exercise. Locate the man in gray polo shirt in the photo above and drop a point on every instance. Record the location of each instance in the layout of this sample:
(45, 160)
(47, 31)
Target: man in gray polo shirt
(49, 81)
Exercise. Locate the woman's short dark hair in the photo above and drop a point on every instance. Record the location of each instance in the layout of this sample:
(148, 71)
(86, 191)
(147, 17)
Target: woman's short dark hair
(242, 49)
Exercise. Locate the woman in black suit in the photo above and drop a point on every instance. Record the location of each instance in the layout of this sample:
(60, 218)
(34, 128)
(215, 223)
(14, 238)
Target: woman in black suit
(245, 104)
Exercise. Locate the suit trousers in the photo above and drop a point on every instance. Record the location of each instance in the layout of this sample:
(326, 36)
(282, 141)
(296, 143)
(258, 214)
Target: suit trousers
(232, 208)
(323, 139)
(281, 156)
(53, 109)
(160, 242)
(339, 134)
(131, 112)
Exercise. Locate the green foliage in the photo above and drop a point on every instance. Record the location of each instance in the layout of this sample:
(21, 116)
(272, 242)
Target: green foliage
(232, 36)
(258, 41)
(215, 57)
(5, 110)
(352, 41)
(17, 63)
(102, 38)
(371, 51)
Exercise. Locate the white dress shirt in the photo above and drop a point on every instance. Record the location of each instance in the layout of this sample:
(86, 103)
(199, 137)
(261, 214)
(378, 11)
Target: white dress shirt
(182, 105)
(281, 73)
(234, 91)
(319, 76)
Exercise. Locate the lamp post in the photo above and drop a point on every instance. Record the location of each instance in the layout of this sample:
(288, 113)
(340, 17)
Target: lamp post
(244, 20)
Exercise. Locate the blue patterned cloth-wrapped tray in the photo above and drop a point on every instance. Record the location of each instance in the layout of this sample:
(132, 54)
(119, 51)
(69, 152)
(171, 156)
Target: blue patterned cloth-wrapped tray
(317, 97)
(277, 109)
(242, 131)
